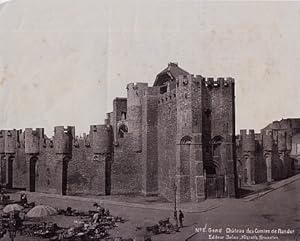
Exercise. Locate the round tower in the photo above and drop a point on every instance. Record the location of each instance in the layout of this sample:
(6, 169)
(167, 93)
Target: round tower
(32, 140)
(248, 144)
(10, 141)
(134, 112)
(101, 138)
(63, 138)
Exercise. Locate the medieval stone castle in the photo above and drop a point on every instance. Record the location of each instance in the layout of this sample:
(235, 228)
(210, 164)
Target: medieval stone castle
(174, 138)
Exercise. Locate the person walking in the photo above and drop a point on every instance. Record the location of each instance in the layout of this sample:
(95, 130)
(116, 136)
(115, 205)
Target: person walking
(181, 217)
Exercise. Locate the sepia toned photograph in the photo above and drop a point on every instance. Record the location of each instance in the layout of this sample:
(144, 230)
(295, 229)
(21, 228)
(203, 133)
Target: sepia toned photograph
(149, 120)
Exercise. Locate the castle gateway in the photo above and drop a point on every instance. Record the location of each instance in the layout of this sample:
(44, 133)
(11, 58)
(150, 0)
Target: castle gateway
(177, 136)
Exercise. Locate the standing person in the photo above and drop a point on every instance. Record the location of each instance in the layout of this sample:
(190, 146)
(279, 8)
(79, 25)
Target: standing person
(176, 218)
(18, 220)
(181, 217)
(23, 199)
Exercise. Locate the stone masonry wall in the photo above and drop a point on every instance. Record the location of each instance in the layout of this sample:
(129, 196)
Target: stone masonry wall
(126, 168)
(86, 171)
(167, 129)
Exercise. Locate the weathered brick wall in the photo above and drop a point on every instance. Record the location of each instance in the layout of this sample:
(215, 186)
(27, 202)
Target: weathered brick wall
(86, 171)
(199, 149)
(222, 116)
(185, 113)
(149, 141)
(206, 122)
(167, 130)
(223, 124)
(126, 169)
(20, 170)
(47, 171)
(134, 112)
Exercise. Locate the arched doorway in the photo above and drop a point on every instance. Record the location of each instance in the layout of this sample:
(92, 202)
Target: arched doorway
(32, 174)
(212, 180)
(215, 181)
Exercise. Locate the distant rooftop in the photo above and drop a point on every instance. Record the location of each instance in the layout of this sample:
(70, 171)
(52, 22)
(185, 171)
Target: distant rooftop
(171, 72)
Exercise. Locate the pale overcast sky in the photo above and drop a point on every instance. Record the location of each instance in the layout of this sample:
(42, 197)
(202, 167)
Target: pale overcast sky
(62, 62)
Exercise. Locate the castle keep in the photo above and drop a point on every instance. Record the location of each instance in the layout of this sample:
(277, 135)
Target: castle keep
(177, 136)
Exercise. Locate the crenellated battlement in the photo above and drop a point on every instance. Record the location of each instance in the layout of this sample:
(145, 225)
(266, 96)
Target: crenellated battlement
(10, 138)
(167, 97)
(33, 140)
(101, 137)
(248, 140)
(219, 82)
(48, 143)
(137, 86)
(82, 141)
(199, 80)
(189, 82)
(63, 139)
(151, 91)
(135, 93)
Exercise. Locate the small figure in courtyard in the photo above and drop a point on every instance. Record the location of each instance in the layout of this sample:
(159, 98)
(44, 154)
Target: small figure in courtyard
(100, 209)
(96, 218)
(69, 211)
(23, 199)
(176, 218)
(97, 206)
(181, 217)
(17, 219)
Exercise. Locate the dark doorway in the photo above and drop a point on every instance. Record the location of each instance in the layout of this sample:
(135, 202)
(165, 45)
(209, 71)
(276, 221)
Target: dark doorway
(10, 172)
(210, 186)
(215, 186)
(65, 176)
(32, 174)
(214, 183)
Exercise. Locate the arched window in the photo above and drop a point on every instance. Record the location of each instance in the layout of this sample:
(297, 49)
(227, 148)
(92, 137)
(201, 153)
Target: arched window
(186, 140)
(210, 169)
(123, 115)
(216, 145)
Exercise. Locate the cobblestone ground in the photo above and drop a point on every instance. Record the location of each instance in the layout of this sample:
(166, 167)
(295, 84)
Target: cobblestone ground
(278, 210)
